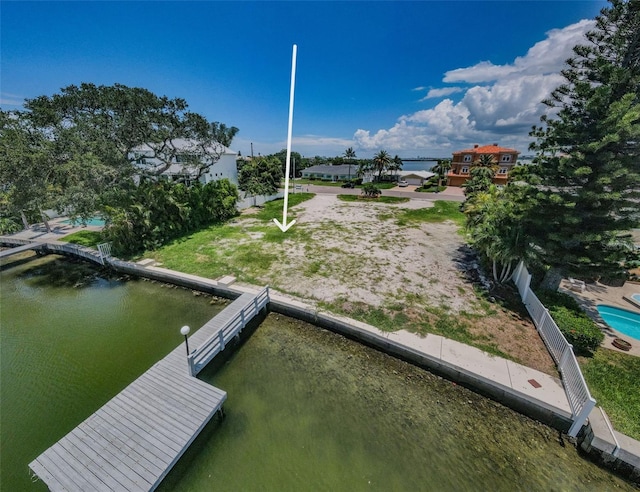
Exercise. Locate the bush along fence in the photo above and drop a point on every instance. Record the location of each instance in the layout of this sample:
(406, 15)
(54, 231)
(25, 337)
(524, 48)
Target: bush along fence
(580, 399)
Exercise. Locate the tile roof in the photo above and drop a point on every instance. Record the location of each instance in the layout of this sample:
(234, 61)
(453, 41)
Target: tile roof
(487, 149)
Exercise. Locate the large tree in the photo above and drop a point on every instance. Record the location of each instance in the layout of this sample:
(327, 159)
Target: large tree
(585, 186)
(349, 156)
(119, 123)
(260, 175)
(92, 140)
(26, 172)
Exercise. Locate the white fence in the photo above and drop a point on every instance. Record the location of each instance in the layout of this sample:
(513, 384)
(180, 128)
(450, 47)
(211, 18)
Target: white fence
(580, 400)
(256, 201)
(105, 251)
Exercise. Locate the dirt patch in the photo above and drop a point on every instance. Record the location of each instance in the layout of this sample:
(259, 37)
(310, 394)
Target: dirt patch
(364, 259)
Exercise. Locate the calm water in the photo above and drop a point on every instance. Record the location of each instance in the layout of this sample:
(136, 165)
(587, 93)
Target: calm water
(66, 350)
(307, 409)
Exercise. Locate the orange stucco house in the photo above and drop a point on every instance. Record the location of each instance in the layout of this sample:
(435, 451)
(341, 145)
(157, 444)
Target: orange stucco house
(463, 160)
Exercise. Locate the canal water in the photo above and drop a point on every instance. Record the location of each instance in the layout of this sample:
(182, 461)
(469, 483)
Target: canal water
(306, 409)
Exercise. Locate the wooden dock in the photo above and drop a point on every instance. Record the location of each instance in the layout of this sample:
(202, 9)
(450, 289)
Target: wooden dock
(133, 441)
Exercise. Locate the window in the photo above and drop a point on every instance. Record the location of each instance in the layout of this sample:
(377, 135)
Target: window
(465, 170)
(505, 158)
(503, 170)
(466, 158)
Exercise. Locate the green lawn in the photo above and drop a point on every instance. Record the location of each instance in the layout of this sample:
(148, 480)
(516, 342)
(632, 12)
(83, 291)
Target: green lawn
(614, 381)
(442, 210)
(90, 239)
(233, 248)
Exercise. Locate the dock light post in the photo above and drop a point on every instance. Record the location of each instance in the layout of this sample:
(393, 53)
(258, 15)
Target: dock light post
(185, 331)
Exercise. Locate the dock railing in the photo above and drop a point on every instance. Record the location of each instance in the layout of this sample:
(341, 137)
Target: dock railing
(580, 400)
(216, 343)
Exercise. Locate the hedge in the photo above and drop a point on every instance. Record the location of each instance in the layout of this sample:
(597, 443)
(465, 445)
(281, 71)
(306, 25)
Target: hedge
(579, 330)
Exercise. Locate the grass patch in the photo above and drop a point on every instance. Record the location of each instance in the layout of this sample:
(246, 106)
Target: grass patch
(442, 210)
(273, 209)
(380, 199)
(382, 186)
(90, 239)
(614, 380)
(435, 320)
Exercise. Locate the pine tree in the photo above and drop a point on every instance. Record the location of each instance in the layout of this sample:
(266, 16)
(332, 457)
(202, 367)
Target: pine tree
(585, 189)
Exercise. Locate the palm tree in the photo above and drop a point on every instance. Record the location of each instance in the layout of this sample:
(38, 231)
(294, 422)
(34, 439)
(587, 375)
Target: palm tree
(495, 228)
(350, 154)
(441, 169)
(381, 162)
(396, 164)
(485, 160)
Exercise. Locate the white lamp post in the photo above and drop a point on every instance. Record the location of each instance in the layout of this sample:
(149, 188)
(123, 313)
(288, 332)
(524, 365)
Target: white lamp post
(185, 331)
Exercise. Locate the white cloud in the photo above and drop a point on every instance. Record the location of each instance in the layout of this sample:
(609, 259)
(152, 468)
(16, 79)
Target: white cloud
(501, 105)
(545, 57)
(7, 99)
(445, 91)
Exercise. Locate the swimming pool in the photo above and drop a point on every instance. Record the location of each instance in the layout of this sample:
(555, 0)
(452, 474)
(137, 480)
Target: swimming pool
(622, 320)
(93, 221)
(635, 297)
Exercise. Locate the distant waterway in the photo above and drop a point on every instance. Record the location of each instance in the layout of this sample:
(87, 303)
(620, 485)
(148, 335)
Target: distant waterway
(307, 409)
(418, 165)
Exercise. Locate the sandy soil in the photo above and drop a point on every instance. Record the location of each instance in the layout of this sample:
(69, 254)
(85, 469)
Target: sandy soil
(349, 254)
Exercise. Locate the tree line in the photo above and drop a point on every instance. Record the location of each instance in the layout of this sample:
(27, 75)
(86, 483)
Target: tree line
(79, 152)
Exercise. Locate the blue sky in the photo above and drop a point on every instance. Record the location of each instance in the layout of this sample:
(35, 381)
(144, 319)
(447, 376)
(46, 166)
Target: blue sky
(413, 78)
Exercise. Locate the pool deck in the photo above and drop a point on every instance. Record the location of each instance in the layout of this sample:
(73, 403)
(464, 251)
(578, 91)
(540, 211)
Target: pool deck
(596, 293)
(38, 232)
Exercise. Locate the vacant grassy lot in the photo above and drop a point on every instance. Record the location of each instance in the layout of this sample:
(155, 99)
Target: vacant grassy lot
(393, 265)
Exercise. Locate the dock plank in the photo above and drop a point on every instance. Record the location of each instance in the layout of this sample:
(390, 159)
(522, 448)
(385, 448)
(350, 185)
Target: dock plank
(132, 441)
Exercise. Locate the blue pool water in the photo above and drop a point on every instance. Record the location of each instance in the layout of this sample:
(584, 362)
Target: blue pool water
(626, 322)
(636, 297)
(93, 221)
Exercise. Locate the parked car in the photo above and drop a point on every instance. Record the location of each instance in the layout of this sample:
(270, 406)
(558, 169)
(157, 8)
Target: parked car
(402, 183)
(348, 184)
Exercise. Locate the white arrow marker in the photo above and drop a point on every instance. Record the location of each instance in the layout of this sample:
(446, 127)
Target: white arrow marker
(283, 226)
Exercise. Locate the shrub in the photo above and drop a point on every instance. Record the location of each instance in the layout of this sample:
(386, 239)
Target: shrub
(370, 190)
(579, 330)
(553, 299)
(158, 212)
(9, 225)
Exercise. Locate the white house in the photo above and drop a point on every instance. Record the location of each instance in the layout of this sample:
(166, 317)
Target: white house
(327, 172)
(416, 178)
(179, 157)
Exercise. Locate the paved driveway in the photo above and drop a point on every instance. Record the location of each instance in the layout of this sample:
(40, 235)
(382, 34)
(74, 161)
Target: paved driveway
(452, 193)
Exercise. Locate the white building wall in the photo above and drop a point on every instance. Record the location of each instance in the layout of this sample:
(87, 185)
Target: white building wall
(225, 168)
